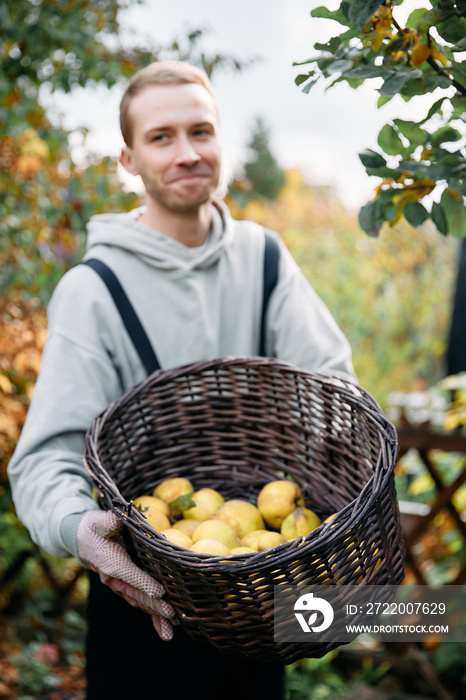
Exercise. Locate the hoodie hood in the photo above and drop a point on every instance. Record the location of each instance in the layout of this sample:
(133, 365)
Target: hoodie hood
(163, 252)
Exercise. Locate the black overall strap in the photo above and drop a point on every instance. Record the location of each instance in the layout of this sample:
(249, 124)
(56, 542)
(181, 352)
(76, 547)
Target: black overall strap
(270, 276)
(134, 326)
(132, 323)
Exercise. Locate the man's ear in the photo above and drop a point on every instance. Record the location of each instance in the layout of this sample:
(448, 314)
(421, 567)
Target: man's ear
(127, 160)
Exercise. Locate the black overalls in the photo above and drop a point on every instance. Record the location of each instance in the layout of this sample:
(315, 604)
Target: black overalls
(125, 657)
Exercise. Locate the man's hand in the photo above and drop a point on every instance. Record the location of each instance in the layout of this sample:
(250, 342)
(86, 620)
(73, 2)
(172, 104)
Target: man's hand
(116, 570)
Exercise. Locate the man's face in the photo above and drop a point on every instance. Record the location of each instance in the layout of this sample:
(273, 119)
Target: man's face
(175, 147)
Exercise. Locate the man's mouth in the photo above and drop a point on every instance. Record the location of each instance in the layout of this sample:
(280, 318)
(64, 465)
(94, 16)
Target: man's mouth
(187, 177)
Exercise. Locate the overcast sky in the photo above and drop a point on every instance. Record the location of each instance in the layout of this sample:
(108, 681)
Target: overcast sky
(320, 133)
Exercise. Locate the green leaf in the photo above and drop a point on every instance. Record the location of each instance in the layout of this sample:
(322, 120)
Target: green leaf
(308, 86)
(458, 73)
(305, 62)
(340, 66)
(353, 82)
(434, 109)
(445, 134)
(415, 213)
(331, 45)
(372, 159)
(459, 106)
(389, 140)
(388, 209)
(415, 167)
(370, 218)
(432, 18)
(453, 205)
(438, 217)
(382, 101)
(387, 195)
(324, 13)
(396, 81)
(447, 167)
(420, 86)
(411, 131)
(182, 503)
(361, 11)
(456, 183)
(323, 62)
(415, 17)
(368, 70)
(452, 29)
(385, 172)
(302, 77)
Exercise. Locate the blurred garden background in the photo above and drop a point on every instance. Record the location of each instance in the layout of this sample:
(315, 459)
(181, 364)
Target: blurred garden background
(393, 274)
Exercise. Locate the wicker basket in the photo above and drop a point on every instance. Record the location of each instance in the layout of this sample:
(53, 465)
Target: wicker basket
(234, 424)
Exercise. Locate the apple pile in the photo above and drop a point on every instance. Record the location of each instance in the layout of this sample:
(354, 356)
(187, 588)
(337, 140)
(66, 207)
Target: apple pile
(204, 521)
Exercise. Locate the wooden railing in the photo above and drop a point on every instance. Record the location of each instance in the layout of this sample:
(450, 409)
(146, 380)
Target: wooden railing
(425, 441)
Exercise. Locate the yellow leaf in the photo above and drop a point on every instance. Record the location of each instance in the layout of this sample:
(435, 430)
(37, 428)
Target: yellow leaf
(454, 194)
(459, 499)
(438, 55)
(421, 484)
(419, 55)
(31, 144)
(456, 414)
(410, 38)
(379, 27)
(27, 360)
(29, 165)
(411, 193)
(5, 385)
(383, 14)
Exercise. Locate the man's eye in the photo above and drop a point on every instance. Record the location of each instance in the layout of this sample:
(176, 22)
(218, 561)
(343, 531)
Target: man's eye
(159, 138)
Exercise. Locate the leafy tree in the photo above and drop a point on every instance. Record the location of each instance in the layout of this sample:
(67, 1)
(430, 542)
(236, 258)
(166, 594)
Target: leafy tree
(261, 176)
(422, 165)
(45, 198)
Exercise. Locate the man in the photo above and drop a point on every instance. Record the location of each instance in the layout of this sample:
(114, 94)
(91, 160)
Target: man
(193, 275)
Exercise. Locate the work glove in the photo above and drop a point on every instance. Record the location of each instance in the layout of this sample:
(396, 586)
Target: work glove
(116, 569)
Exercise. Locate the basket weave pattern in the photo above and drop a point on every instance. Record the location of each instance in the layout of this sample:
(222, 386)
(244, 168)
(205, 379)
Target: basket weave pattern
(234, 424)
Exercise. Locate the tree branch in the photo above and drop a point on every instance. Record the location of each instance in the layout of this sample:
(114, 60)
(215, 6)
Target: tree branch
(459, 87)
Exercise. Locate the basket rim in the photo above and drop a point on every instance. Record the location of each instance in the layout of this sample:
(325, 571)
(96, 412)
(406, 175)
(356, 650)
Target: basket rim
(162, 376)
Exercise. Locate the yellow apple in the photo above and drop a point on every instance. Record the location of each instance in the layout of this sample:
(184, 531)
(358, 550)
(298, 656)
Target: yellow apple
(177, 492)
(250, 538)
(269, 540)
(243, 550)
(207, 502)
(241, 515)
(277, 499)
(143, 503)
(329, 518)
(178, 537)
(209, 546)
(157, 519)
(299, 523)
(186, 526)
(216, 530)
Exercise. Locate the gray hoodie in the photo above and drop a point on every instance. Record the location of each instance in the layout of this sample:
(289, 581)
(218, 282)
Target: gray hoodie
(194, 303)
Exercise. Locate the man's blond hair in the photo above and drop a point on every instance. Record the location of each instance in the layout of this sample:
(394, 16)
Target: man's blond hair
(159, 73)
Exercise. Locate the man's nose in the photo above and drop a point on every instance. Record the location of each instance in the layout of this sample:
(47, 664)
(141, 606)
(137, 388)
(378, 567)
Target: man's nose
(186, 153)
